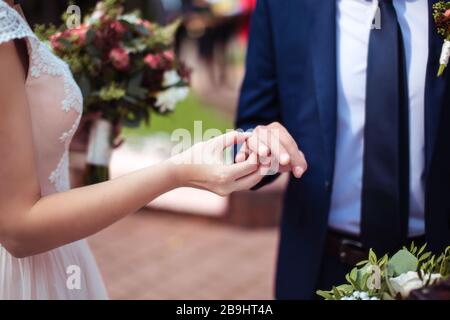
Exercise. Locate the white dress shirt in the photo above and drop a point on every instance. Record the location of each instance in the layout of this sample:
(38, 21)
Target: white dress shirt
(354, 21)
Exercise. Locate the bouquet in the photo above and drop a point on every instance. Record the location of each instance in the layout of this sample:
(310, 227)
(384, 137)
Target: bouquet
(389, 278)
(441, 16)
(125, 67)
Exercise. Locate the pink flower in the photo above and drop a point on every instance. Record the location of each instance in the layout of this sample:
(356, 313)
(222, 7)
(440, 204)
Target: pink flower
(161, 61)
(120, 58)
(447, 14)
(109, 34)
(118, 27)
(169, 56)
(75, 36)
(79, 33)
(55, 43)
(153, 61)
(145, 23)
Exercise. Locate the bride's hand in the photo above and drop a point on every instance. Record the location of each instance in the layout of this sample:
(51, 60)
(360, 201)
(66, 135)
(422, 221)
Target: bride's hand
(203, 166)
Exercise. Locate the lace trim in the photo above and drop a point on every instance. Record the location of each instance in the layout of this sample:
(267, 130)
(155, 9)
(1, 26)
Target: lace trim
(60, 176)
(66, 137)
(43, 61)
(12, 25)
(74, 97)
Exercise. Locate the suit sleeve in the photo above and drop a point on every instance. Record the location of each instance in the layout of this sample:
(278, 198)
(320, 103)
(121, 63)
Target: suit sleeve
(258, 102)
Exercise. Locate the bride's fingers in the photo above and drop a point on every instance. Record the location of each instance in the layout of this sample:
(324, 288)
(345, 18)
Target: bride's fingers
(229, 139)
(242, 154)
(248, 181)
(242, 169)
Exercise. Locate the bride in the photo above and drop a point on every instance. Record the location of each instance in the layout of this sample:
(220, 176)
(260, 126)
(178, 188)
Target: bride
(43, 222)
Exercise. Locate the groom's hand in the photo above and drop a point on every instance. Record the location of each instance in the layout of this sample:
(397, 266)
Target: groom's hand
(276, 149)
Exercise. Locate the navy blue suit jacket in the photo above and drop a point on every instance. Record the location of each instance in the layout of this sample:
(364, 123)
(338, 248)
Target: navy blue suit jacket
(291, 78)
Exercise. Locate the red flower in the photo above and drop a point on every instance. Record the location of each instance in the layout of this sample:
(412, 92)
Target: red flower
(161, 61)
(55, 43)
(153, 61)
(79, 34)
(75, 36)
(120, 59)
(118, 28)
(447, 14)
(169, 56)
(109, 34)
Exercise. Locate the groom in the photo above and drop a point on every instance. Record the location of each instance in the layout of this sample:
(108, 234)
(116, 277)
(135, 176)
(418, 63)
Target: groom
(364, 105)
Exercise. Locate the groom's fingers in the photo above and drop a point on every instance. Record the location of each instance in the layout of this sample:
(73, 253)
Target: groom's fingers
(269, 140)
(298, 161)
(256, 143)
(278, 152)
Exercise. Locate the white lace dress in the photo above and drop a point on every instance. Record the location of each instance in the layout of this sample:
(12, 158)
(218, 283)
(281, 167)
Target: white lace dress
(55, 103)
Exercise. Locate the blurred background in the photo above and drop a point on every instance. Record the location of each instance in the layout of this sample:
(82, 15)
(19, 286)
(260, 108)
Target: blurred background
(187, 244)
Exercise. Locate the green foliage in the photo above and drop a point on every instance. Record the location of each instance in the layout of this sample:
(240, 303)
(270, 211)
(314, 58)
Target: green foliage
(442, 24)
(111, 92)
(401, 262)
(412, 259)
(43, 32)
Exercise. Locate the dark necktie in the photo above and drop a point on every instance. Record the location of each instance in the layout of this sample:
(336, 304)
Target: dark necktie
(385, 190)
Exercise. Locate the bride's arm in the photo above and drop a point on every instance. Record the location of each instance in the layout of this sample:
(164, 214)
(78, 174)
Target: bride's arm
(31, 224)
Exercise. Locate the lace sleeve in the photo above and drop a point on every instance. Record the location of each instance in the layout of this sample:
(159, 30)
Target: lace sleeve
(12, 25)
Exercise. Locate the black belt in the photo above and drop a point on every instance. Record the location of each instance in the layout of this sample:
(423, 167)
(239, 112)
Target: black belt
(350, 250)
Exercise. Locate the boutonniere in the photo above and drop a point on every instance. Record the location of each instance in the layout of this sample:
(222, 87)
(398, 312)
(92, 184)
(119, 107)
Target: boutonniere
(441, 15)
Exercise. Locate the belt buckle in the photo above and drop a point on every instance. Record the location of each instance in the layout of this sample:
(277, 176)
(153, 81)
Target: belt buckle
(348, 245)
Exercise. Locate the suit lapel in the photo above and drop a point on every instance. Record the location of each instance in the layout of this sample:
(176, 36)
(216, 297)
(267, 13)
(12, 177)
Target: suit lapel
(434, 88)
(323, 46)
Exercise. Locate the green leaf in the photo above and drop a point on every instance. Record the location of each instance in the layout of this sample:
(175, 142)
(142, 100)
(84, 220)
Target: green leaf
(401, 262)
(351, 281)
(354, 274)
(372, 257)
(130, 99)
(136, 79)
(138, 92)
(92, 50)
(134, 86)
(66, 43)
(383, 261)
(362, 275)
(422, 249)
(361, 263)
(386, 296)
(85, 86)
(412, 247)
(345, 288)
(325, 294)
(337, 294)
(364, 281)
(424, 256)
(90, 36)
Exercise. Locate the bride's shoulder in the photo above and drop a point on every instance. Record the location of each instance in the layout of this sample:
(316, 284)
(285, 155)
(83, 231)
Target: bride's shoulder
(12, 25)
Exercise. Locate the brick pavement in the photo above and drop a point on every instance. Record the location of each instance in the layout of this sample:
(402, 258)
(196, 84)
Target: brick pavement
(152, 255)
